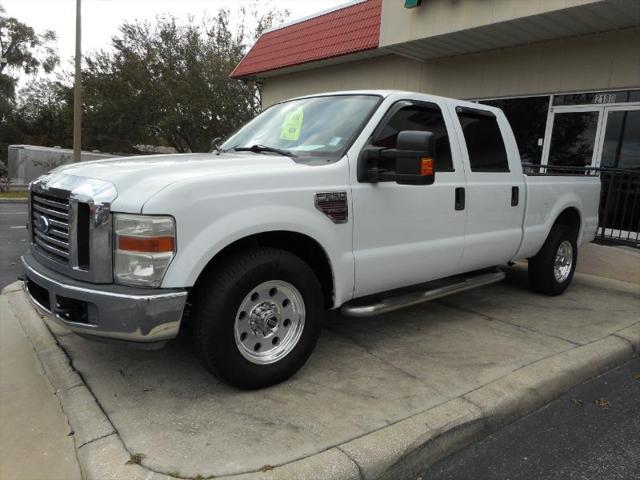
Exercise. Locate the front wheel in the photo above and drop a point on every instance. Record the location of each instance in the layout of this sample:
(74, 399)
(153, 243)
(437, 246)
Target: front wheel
(257, 317)
(552, 269)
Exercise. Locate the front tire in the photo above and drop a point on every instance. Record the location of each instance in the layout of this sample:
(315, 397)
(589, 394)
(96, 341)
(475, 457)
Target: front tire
(552, 269)
(257, 317)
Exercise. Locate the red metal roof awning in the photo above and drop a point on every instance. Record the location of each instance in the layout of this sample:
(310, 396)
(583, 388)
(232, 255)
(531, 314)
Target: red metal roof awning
(351, 29)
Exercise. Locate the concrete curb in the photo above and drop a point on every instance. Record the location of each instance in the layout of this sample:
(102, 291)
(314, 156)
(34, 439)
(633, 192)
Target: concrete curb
(400, 450)
(13, 200)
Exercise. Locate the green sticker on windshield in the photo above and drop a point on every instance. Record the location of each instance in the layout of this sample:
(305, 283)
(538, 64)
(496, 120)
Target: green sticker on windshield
(292, 125)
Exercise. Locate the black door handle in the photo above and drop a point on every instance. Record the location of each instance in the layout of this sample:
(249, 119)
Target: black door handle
(515, 196)
(460, 200)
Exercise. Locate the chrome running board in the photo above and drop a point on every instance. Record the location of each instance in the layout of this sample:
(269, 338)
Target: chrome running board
(414, 298)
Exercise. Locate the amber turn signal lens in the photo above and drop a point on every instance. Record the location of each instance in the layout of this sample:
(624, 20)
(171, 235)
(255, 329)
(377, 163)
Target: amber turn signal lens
(146, 244)
(426, 167)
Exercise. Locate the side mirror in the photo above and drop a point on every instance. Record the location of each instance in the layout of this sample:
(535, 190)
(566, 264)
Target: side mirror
(410, 163)
(414, 158)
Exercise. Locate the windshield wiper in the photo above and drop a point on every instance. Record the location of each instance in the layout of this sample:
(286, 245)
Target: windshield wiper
(265, 148)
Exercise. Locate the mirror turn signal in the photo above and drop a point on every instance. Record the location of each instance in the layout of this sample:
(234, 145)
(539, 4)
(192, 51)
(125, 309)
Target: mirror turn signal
(426, 166)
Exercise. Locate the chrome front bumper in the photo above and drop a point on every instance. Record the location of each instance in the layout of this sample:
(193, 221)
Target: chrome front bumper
(104, 311)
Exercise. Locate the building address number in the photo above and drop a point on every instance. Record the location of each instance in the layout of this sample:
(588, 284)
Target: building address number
(604, 98)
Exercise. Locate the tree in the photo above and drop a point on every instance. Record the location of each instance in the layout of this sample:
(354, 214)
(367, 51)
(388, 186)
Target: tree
(45, 113)
(168, 83)
(164, 83)
(23, 48)
(26, 52)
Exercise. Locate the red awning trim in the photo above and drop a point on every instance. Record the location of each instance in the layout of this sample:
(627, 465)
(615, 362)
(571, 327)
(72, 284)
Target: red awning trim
(354, 28)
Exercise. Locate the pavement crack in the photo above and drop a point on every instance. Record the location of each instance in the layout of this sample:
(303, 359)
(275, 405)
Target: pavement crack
(633, 347)
(378, 357)
(361, 475)
(506, 322)
(96, 439)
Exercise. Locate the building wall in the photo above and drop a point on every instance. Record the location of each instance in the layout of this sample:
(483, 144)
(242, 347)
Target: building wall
(383, 72)
(438, 17)
(591, 62)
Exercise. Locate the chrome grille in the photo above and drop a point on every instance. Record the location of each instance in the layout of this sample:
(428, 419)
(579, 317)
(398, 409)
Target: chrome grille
(50, 225)
(70, 225)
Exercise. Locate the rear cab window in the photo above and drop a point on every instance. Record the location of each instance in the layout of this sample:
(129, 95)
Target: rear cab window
(485, 143)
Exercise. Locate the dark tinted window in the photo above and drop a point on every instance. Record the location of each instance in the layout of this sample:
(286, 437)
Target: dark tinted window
(528, 120)
(621, 147)
(425, 119)
(484, 142)
(573, 138)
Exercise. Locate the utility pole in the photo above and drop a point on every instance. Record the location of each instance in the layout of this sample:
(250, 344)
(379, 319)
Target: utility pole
(77, 91)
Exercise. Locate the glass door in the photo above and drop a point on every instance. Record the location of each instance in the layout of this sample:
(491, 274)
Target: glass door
(620, 144)
(573, 135)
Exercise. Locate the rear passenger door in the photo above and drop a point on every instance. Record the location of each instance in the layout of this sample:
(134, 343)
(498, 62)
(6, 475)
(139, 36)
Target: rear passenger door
(494, 197)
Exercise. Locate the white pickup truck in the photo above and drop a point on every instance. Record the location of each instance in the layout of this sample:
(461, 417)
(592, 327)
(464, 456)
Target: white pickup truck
(339, 200)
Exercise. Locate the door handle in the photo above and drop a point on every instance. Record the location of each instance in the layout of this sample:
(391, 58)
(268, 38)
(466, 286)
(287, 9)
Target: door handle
(515, 196)
(460, 198)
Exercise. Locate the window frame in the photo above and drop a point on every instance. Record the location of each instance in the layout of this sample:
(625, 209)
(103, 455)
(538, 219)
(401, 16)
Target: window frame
(478, 112)
(399, 105)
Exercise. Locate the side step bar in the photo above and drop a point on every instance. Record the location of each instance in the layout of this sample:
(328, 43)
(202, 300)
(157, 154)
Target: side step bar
(414, 298)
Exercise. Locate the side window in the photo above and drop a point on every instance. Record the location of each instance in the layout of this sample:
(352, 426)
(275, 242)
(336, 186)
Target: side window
(485, 144)
(427, 119)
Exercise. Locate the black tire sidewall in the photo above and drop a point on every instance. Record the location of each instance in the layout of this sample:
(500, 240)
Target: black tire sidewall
(215, 316)
(541, 267)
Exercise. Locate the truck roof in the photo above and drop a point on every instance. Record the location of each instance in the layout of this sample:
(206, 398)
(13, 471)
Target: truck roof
(401, 93)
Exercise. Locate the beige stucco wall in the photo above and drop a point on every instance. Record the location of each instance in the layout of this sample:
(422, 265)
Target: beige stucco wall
(385, 72)
(437, 17)
(601, 61)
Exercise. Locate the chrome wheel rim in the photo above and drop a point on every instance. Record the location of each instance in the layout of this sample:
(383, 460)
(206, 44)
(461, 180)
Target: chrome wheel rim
(563, 262)
(269, 322)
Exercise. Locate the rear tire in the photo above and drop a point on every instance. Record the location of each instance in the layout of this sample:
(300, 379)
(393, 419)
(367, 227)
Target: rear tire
(552, 268)
(257, 317)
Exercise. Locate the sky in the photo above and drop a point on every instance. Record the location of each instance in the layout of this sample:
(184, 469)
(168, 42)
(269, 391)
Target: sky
(101, 18)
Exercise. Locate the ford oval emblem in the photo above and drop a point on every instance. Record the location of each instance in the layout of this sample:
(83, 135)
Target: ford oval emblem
(42, 224)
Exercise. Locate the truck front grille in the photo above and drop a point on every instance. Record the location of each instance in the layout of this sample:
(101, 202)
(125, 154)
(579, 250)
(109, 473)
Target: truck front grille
(50, 222)
(70, 224)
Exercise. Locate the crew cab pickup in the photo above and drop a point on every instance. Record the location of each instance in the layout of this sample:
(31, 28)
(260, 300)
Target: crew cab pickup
(364, 201)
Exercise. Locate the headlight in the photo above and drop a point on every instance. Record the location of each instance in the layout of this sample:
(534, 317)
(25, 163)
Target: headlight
(144, 247)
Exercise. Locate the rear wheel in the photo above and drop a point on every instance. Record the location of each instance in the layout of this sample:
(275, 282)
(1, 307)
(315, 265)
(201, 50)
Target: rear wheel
(552, 269)
(257, 317)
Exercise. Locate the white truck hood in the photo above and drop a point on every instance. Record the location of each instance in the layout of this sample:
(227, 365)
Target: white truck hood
(138, 178)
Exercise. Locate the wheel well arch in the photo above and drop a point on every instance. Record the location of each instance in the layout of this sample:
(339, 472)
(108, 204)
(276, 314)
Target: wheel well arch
(299, 244)
(570, 217)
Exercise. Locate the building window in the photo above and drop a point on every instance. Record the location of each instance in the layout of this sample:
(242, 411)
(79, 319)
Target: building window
(621, 148)
(528, 119)
(485, 145)
(573, 138)
(423, 119)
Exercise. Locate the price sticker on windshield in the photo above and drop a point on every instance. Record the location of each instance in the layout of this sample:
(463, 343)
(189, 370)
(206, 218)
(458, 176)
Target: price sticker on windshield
(292, 125)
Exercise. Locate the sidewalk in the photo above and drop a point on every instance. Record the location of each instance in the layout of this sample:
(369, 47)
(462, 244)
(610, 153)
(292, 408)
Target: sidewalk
(381, 398)
(35, 436)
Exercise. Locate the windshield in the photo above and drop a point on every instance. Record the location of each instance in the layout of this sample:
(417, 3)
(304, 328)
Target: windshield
(308, 127)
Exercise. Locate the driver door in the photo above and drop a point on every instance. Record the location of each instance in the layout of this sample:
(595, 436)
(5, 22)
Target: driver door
(409, 234)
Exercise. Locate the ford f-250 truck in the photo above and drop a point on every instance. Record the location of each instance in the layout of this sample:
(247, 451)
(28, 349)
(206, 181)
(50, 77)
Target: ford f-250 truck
(321, 202)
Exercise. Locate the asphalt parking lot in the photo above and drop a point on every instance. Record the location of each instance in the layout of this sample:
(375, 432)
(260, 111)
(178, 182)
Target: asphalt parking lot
(13, 240)
(590, 433)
